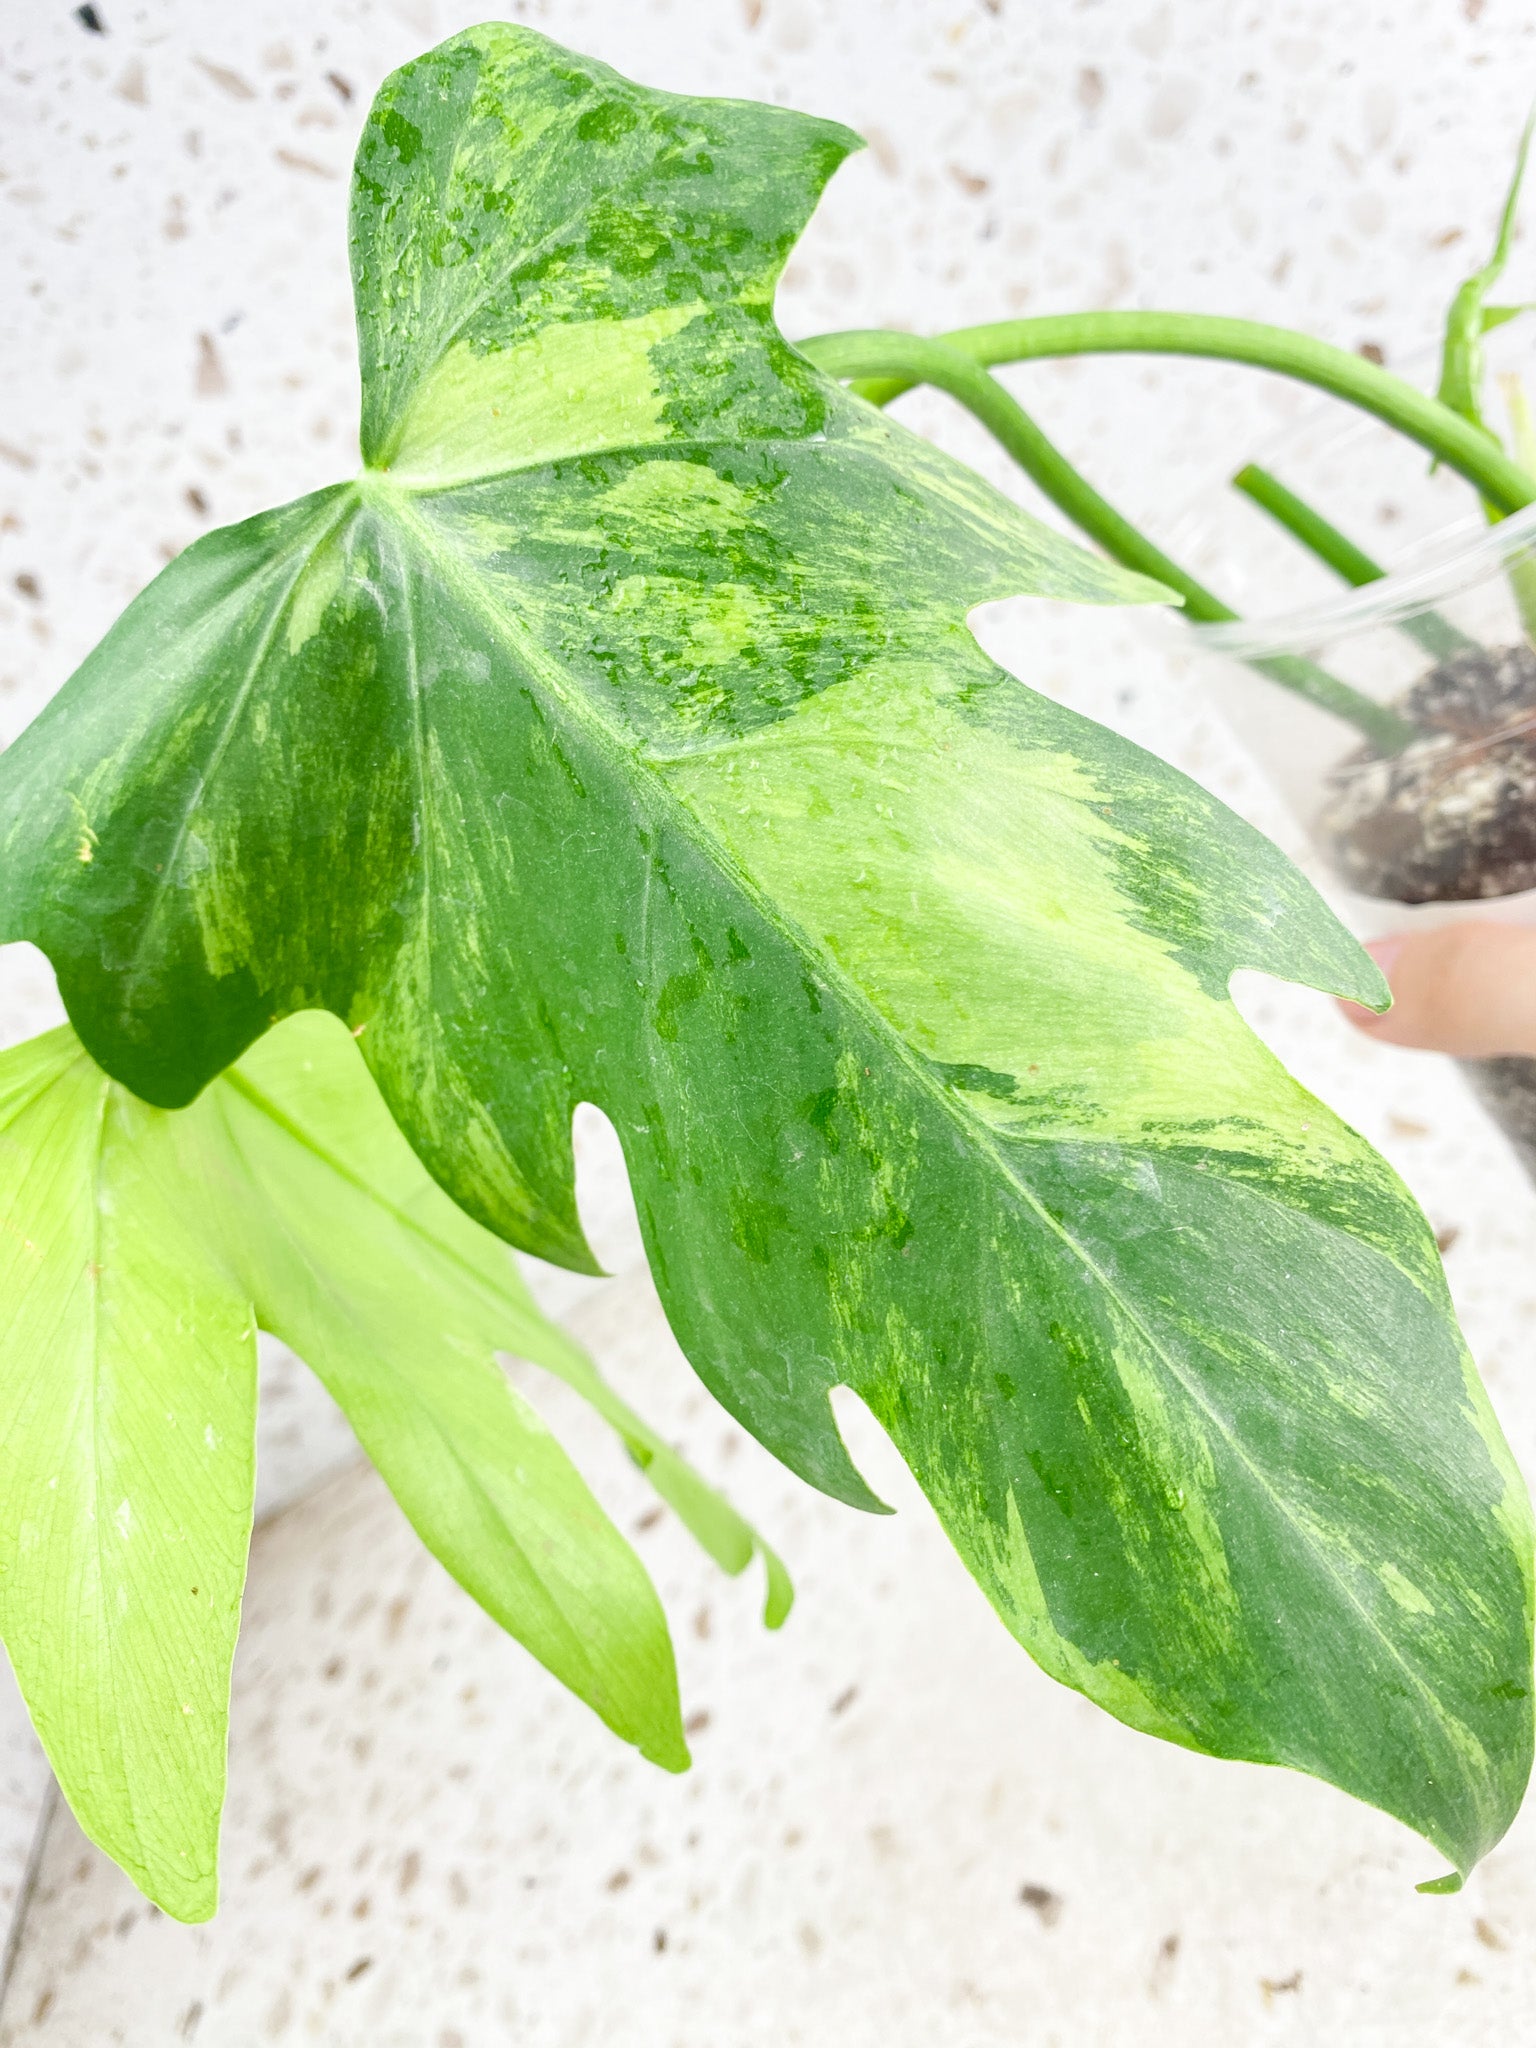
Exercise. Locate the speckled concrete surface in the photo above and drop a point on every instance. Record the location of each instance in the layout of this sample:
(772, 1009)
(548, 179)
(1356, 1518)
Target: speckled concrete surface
(897, 1831)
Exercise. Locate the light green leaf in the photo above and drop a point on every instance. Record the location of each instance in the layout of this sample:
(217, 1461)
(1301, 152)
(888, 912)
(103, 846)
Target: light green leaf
(617, 737)
(399, 1302)
(723, 1534)
(347, 1252)
(708, 1516)
(140, 1251)
(1500, 316)
(127, 1459)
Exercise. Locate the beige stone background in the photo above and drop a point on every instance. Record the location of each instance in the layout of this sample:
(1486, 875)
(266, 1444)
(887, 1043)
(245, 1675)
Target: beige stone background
(897, 1832)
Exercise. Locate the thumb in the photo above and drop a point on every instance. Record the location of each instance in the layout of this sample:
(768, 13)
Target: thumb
(1467, 989)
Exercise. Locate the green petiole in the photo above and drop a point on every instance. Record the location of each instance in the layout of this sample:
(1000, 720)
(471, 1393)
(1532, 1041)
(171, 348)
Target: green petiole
(1466, 448)
(1436, 635)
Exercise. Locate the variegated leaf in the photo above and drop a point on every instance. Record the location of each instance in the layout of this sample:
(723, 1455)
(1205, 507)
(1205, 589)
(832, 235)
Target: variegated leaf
(617, 736)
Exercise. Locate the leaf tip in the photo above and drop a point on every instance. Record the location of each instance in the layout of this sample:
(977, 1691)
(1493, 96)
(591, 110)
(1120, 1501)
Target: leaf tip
(778, 1592)
(1451, 1882)
(1369, 987)
(190, 1900)
(669, 1751)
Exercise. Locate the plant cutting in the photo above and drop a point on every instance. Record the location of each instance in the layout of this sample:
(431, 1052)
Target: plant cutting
(616, 736)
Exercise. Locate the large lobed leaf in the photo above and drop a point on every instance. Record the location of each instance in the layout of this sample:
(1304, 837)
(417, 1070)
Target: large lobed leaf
(617, 736)
(140, 1250)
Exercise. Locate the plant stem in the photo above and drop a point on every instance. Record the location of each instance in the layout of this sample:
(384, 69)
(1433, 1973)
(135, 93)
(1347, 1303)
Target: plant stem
(1308, 526)
(1436, 635)
(1455, 441)
(911, 359)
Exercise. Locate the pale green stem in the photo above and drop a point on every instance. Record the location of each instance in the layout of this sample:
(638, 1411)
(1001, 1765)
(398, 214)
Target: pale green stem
(1455, 441)
(1436, 635)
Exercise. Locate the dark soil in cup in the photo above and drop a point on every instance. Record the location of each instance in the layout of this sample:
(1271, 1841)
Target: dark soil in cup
(1452, 819)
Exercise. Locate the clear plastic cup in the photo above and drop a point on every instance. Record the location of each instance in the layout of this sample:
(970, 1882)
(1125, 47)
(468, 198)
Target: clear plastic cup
(1440, 829)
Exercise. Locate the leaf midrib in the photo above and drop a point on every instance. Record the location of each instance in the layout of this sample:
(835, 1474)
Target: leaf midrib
(94, 1276)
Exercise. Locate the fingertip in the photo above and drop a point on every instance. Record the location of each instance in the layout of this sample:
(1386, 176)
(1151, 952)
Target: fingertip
(1385, 952)
(1467, 988)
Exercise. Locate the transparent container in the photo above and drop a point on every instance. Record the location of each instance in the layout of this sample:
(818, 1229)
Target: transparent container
(1435, 823)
